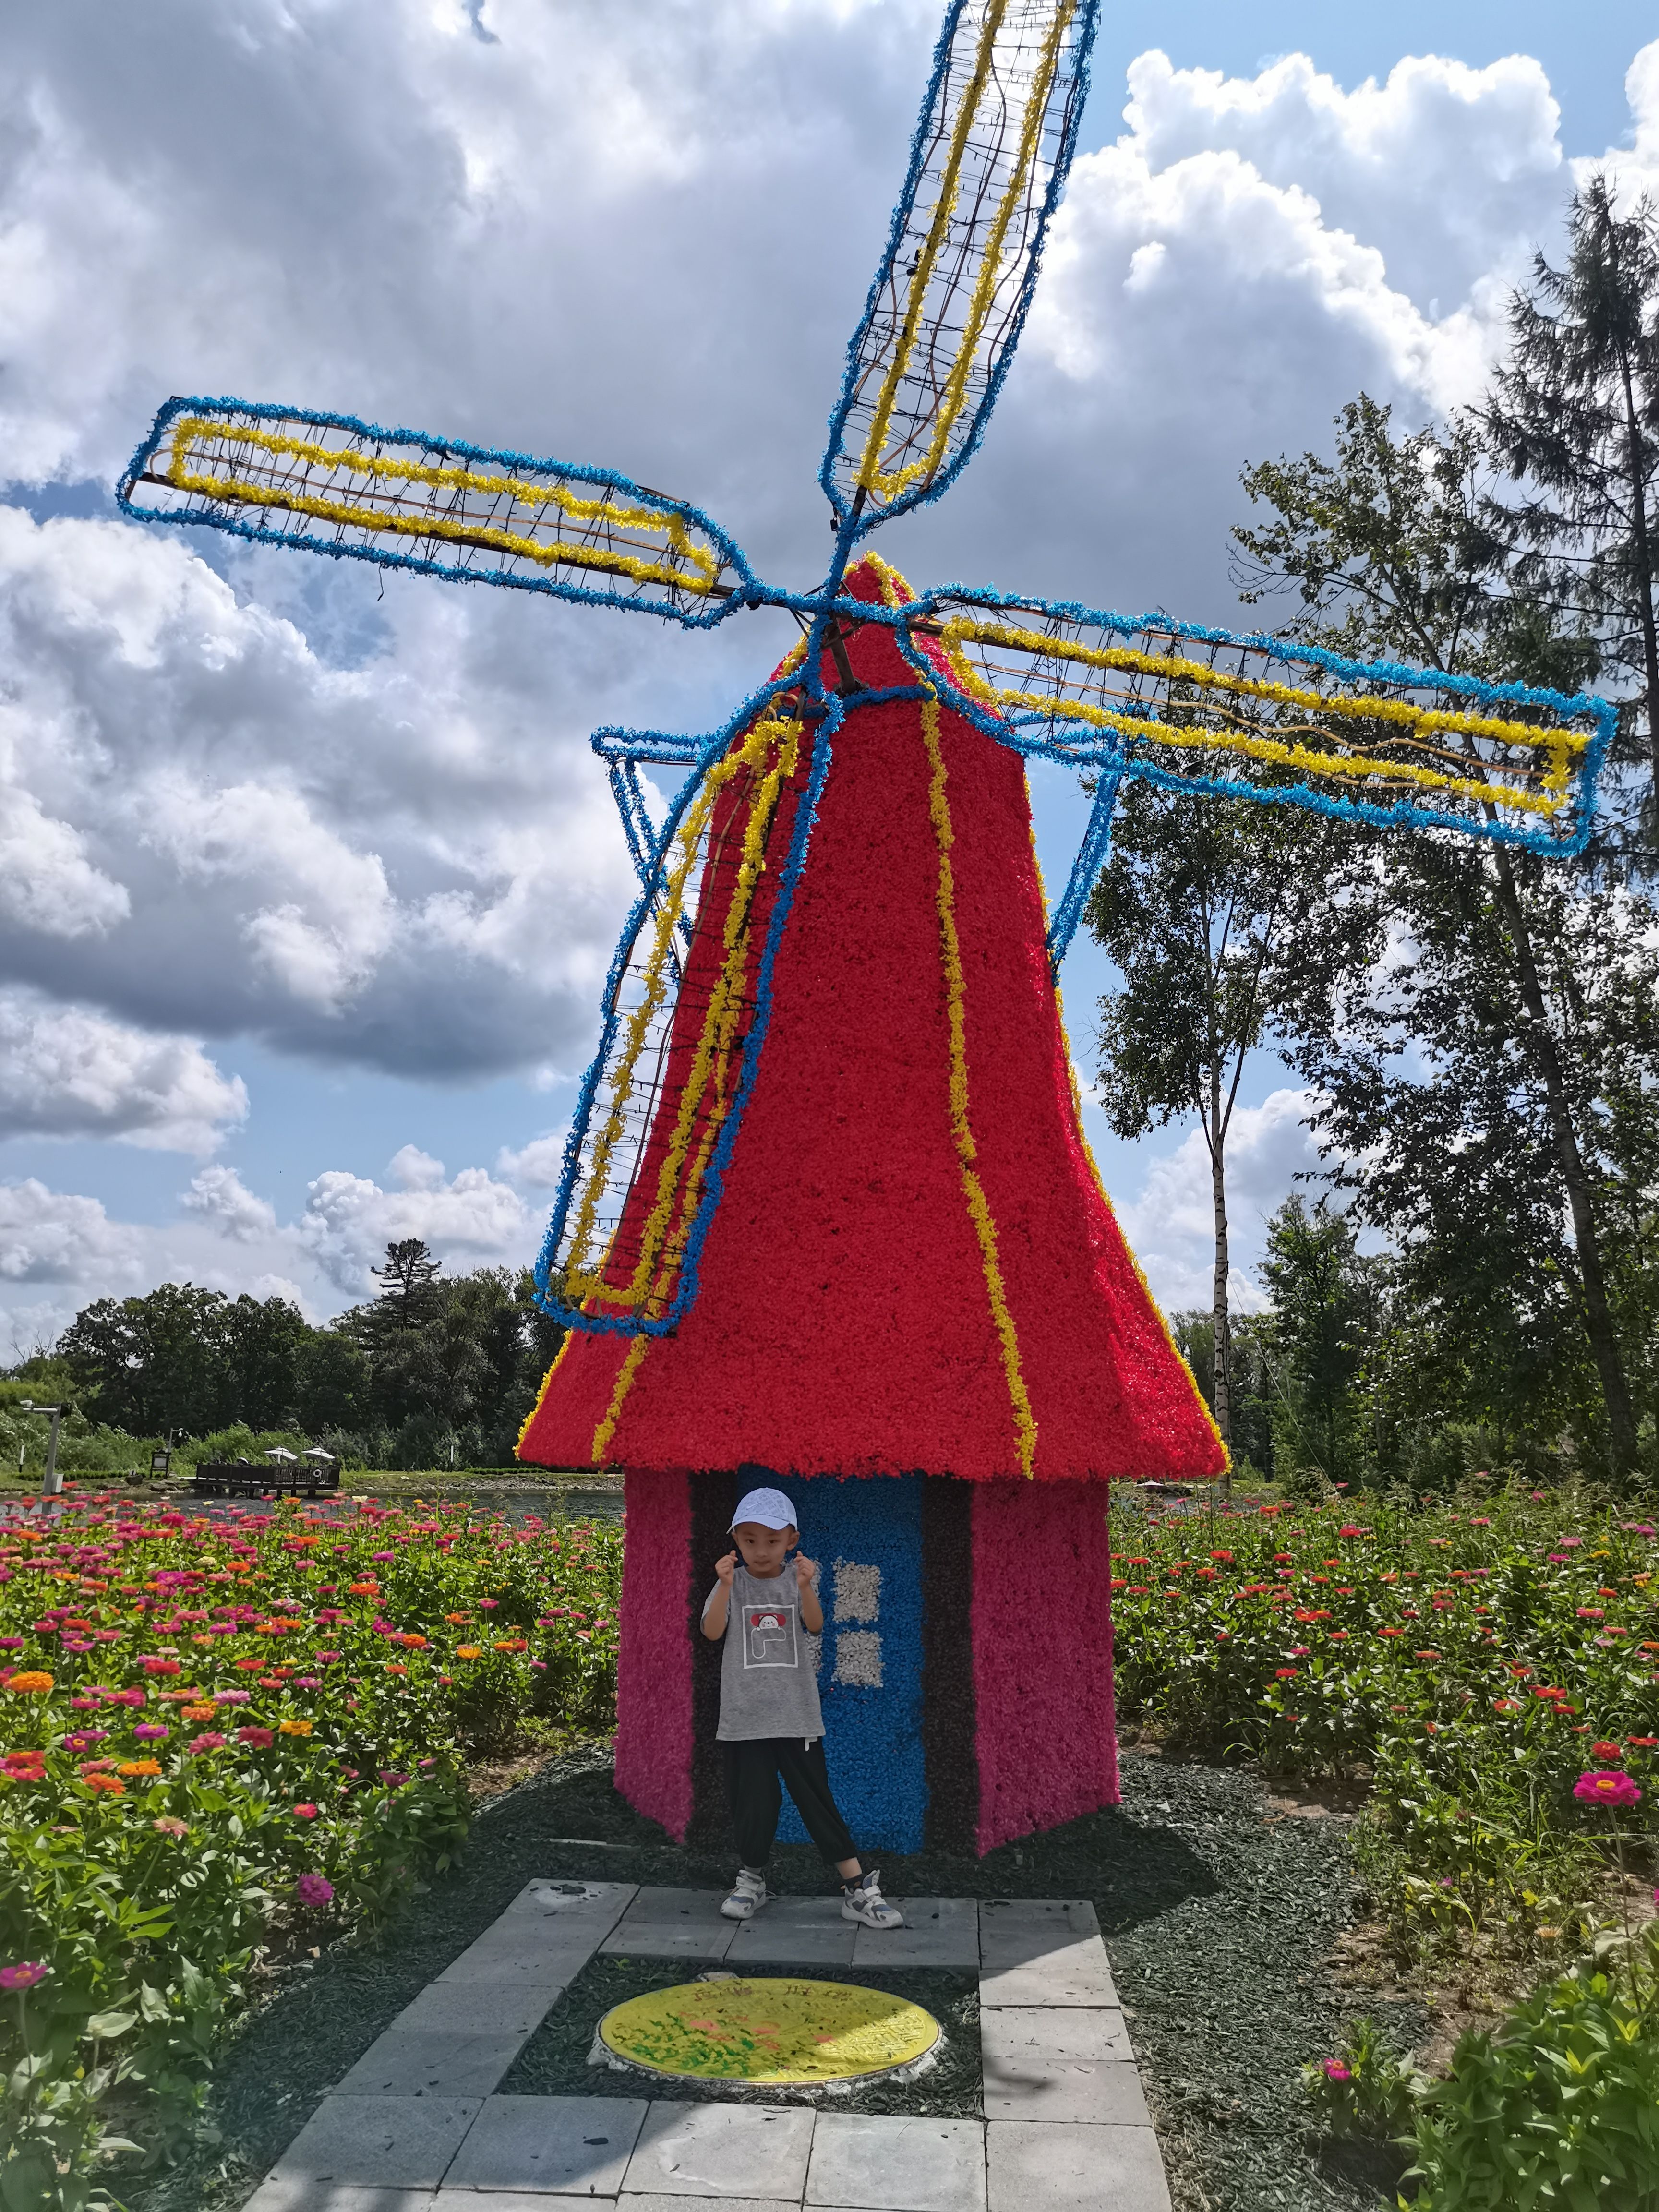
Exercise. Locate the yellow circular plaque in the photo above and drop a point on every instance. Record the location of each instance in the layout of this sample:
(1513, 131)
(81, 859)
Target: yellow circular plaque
(772, 2030)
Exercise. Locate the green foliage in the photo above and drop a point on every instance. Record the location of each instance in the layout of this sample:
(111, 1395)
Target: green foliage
(1574, 414)
(1202, 907)
(169, 1803)
(1558, 2109)
(1368, 2090)
(1326, 1304)
(1254, 1390)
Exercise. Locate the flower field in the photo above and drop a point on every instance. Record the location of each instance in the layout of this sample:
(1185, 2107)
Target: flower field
(231, 1734)
(1474, 1666)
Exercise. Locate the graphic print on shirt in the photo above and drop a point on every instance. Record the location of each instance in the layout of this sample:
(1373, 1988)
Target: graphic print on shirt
(769, 1636)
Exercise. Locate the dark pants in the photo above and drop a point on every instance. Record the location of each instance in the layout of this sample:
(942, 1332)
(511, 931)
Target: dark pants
(752, 1772)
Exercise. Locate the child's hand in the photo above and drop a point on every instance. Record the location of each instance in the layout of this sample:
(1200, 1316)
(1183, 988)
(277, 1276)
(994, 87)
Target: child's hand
(805, 1570)
(726, 1568)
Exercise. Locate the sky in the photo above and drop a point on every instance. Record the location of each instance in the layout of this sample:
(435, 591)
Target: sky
(308, 878)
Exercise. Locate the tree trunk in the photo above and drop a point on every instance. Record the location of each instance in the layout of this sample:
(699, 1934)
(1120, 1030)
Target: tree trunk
(1222, 1390)
(1598, 1318)
(1639, 523)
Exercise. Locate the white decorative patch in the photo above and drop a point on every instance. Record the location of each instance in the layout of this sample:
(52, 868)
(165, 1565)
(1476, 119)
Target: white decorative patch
(857, 1657)
(857, 1591)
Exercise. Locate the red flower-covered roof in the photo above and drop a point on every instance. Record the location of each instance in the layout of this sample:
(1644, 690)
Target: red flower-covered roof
(859, 1311)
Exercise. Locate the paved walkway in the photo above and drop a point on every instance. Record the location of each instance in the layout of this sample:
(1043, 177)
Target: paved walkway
(414, 2126)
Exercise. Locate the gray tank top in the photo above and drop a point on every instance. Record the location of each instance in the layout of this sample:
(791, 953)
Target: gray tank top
(769, 1667)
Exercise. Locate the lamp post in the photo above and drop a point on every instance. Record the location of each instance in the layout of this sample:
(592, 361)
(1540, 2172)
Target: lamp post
(51, 1483)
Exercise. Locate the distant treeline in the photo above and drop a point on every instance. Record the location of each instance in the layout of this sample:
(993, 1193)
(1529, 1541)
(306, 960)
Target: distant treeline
(437, 1371)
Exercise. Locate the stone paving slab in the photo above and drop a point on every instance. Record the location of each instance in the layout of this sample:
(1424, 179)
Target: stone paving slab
(722, 2150)
(644, 2203)
(1035, 1951)
(881, 2163)
(547, 1934)
(792, 1931)
(671, 1923)
(1055, 2166)
(567, 2146)
(299, 2195)
(412, 2062)
(478, 2007)
(1062, 2062)
(507, 2200)
(938, 1931)
(402, 2143)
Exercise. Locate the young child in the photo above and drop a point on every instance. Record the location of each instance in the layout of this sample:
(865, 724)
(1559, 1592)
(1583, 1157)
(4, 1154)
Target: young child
(770, 1722)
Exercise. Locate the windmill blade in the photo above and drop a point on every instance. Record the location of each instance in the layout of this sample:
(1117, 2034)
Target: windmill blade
(1206, 711)
(684, 1018)
(435, 506)
(987, 163)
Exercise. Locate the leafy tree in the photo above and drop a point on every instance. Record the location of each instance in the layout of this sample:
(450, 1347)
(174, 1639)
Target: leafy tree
(152, 1364)
(1464, 1037)
(1325, 1318)
(1203, 906)
(1575, 416)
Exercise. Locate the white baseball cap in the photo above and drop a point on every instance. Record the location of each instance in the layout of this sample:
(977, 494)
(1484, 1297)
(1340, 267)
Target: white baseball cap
(769, 1507)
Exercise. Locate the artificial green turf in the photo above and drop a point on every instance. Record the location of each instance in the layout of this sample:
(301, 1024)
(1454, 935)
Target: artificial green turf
(554, 2062)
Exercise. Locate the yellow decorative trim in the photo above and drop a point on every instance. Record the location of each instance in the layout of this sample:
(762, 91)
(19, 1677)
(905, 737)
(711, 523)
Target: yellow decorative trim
(1557, 744)
(637, 1348)
(870, 473)
(961, 1135)
(701, 574)
(547, 1379)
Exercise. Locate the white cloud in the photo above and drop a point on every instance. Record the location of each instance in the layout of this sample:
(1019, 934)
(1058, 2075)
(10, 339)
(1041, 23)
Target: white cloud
(65, 1072)
(47, 1237)
(411, 1168)
(537, 1165)
(1634, 168)
(259, 798)
(219, 1196)
(1171, 1222)
(473, 1221)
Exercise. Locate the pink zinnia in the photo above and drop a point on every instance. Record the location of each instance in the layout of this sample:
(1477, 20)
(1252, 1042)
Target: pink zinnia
(207, 1742)
(25, 1975)
(1336, 2071)
(312, 1889)
(1603, 1789)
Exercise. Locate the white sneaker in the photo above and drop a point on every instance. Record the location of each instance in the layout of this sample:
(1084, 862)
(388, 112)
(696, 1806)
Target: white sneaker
(866, 1903)
(749, 1893)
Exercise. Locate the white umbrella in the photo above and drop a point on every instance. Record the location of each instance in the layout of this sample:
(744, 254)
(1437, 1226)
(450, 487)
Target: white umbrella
(280, 1451)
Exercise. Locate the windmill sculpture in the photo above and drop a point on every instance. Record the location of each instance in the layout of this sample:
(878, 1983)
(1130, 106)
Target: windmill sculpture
(827, 1206)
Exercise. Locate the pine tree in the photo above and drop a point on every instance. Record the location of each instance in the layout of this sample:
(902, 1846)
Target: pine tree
(406, 1279)
(1574, 417)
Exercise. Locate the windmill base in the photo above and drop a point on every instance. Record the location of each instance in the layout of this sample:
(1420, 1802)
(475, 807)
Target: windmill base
(966, 1673)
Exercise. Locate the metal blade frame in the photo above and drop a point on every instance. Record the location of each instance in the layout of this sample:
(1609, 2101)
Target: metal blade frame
(493, 505)
(960, 279)
(1528, 783)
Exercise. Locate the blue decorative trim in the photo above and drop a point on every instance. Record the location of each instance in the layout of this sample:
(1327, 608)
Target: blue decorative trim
(1090, 859)
(731, 553)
